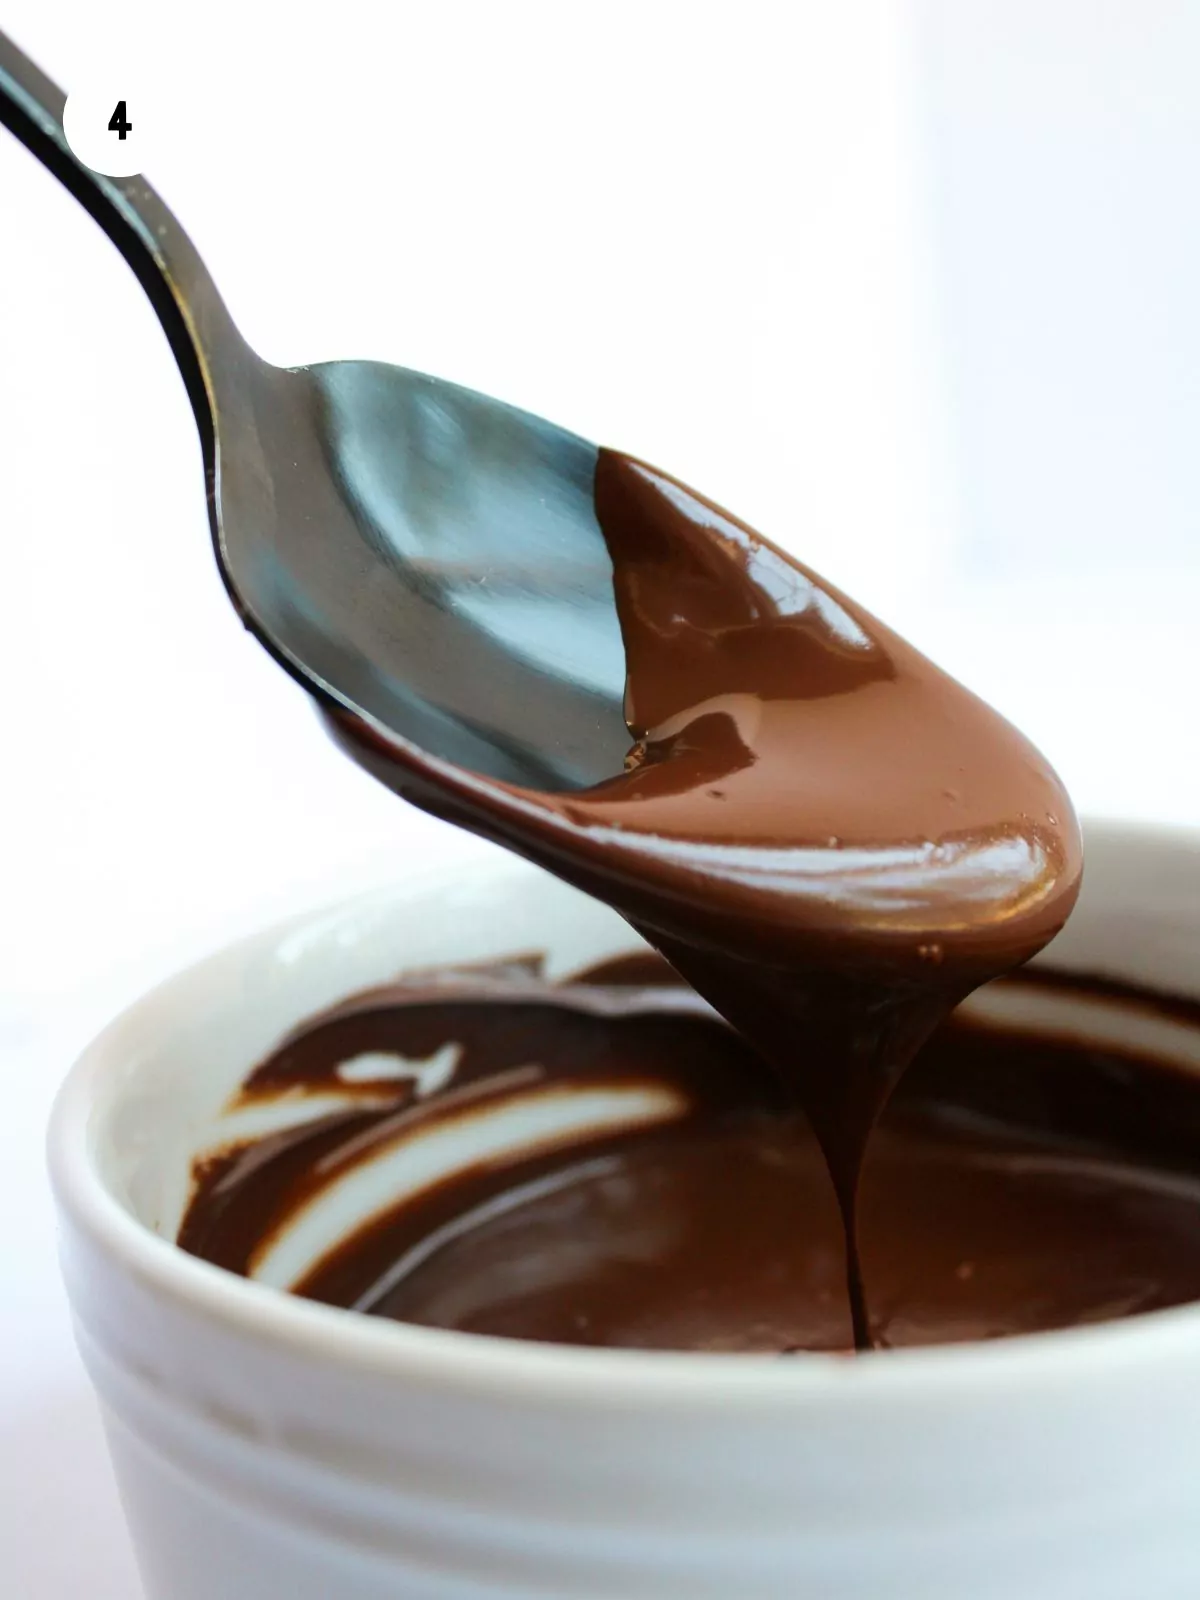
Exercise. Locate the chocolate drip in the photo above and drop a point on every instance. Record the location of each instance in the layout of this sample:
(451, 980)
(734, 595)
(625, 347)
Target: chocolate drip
(831, 839)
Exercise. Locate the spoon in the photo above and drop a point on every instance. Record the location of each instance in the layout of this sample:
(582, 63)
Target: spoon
(421, 558)
(828, 837)
(437, 569)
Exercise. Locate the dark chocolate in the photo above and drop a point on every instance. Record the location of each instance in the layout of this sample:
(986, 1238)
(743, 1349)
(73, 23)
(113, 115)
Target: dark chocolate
(831, 839)
(1016, 1183)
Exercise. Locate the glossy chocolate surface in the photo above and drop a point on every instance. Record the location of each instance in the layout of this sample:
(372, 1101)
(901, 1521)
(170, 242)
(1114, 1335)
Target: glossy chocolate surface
(1017, 1182)
(831, 839)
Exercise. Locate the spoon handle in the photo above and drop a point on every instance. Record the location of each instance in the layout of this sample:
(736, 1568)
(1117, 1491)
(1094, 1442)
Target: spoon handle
(200, 331)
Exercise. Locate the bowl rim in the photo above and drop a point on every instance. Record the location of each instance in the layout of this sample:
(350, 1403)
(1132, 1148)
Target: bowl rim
(586, 1378)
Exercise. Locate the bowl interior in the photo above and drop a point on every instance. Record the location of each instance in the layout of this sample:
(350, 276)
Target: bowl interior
(165, 1075)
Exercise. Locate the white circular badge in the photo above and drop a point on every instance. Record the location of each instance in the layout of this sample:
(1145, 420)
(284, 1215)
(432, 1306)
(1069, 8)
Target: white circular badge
(109, 126)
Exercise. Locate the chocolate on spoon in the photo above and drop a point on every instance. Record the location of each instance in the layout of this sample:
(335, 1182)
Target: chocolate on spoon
(830, 838)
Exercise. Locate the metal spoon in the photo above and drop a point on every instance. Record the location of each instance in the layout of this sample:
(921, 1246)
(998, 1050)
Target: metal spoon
(412, 552)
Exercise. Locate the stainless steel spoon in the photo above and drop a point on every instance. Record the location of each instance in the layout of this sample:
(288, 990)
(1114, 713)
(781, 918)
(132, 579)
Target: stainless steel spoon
(412, 552)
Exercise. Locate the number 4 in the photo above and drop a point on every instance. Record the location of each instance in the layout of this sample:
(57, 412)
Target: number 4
(117, 123)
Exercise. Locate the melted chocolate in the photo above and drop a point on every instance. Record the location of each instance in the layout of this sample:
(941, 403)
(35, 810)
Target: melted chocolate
(828, 837)
(1016, 1183)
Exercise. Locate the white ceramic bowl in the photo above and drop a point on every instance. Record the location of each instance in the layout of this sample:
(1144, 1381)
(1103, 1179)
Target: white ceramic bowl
(272, 1449)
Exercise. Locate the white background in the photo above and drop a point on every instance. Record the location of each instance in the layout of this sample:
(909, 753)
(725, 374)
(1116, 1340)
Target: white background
(910, 285)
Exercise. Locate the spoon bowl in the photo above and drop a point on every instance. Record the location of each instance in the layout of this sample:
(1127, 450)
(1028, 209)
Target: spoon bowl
(429, 561)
